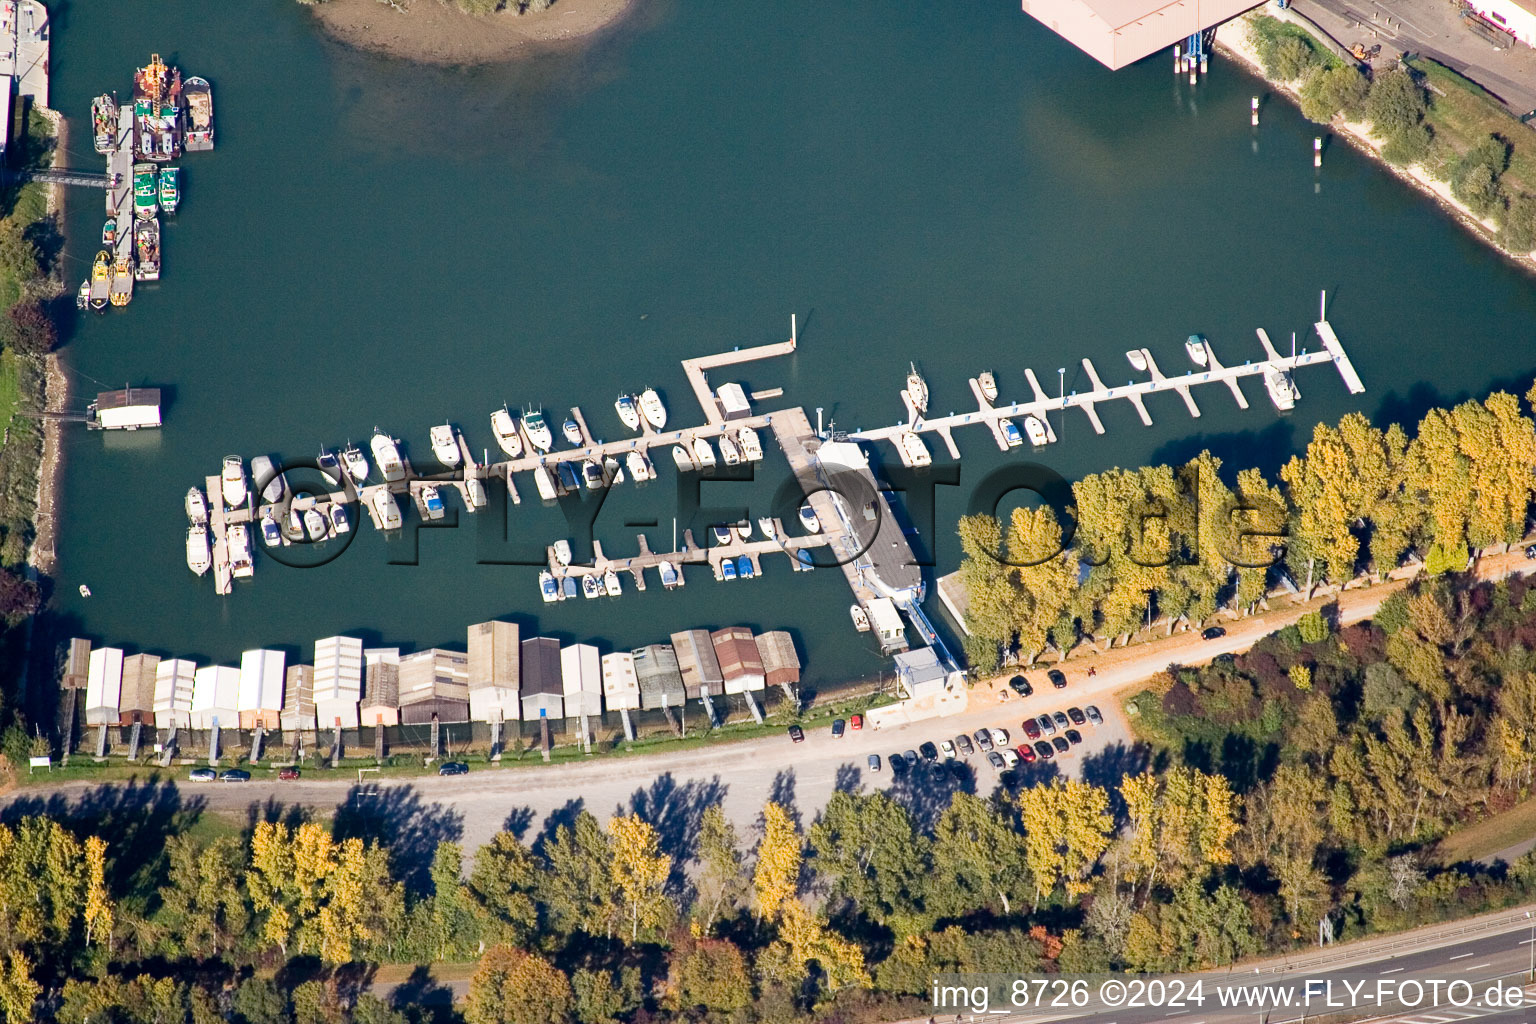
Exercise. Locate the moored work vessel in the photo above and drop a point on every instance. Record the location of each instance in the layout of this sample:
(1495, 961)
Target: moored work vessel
(197, 94)
(147, 244)
(121, 292)
(101, 281)
(170, 189)
(104, 123)
(146, 194)
(157, 111)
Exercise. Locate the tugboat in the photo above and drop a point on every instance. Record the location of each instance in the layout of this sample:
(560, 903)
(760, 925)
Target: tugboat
(197, 94)
(538, 430)
(506, 433)
(917, 390)
(445, 445)
(650, 405)
(170, 190)
(104, 123)
(147, 237)
(628, 412)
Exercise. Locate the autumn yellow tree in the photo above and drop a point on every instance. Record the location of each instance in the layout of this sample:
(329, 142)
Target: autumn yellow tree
(804, 938)
(98, 910)
(1067, 827)
(640, 871)
(777, 875)
(18, 990)
(511, 986)
(1043, 575)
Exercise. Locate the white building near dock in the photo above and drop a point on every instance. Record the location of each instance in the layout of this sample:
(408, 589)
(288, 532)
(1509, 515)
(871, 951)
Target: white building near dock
(260, 697)
(215, 694)
(1515, 17)
(581, 675)
(621, 687)
(338, 681)
(174, 680)
(104, 686)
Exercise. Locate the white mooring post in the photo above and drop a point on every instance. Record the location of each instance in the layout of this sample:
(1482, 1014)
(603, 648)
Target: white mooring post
(1255, 111)
(1178, 60)
(1317, 151)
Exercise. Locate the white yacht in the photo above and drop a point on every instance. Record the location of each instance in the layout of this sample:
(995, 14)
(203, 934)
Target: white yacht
(722, 535)
(860, 618)
(917, 389)
(239, 543)
(356, 463)
(433, 503)
(476, 490)
(612, 471)
(670, 577)
(572, 431)
(265, 478)
(232, 482)
(628, 411)
(729, 453)
(988, 385)
(1199, 354)
(295, 524)
(650, 467)
(1282, 389)
(197, 549)
(1035, 430)
(751, 447)
(703, 454)
(387, 456)
(542, 481)
(271, 533)
(611, 583)
(197, 507)
(1011, 435)
(314, 524)
(915, 450)
(592, 474)
(765, 523)
(549, 589)
(505, 429)
(744, 529)
(339, 522)
(808, 519)
(650, 405)
(681, 457)
(1137, 358)
(389, 511)
(538, 431)
(445, 445)
(635, 462)
(563, 551)
(326, 463)
(591, 586)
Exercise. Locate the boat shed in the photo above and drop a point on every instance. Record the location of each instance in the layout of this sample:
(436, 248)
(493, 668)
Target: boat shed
(128, 409)
(261, 689)
(299, 700)
(581, 676)
(696, 660)
(174, 679)
(338, 681)
(215, 690)
(621, 687)
(494, 672)
(77, 664)
(434, 684)
(887, 623)
(137, 700)
(781, 665)
(380, 703)
(733, 401)
(661, 683)
(739, 661)
(104, 686)
(543, 691)
(919, 672)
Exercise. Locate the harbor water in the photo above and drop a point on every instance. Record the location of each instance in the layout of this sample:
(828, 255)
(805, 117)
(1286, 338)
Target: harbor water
(374, 243)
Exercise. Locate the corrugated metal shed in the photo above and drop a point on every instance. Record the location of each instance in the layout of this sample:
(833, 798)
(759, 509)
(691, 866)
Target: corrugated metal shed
(261, 689)
(104, 686)
(338, 681)
(661, 682)
(581, 677)
(299, 699)
(174, 680)
(621, 687)
(128, 410)
(543, 691)
(214, 693)
(781, 664)
(733, 401)
(434, 682)
(380, 704)
(739, 660)
(137, 701)
(495, 672)
(698, 664)
(77, 664)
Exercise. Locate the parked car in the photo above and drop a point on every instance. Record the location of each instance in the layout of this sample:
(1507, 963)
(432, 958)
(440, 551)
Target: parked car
(984, 740)
(910, 758)
(1058, 678)
(796, 734)
(855, 722)
(964, 743)
(1046, 725)
(996, 760)
(838, 725)
(1092, 711)
(453, 768)
(999, 737)
(1530, 552)
(1031, 728)
(1020, 686)
(1077, 716)
(1009, 757)
(1026, 753)
(202, 775)
(874, 762)
(929, 751)
(1213, 633)
(1074, 737)
(1061, 745)
(1060, 719)
(898, 764)
(288, 774)
(947, 748)
(1044, 750)
(234, 775)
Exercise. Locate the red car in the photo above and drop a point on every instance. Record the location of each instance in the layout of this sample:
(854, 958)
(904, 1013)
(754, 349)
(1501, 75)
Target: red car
(1031, 728)
(288, 774)
(1026, 753)
(856, 722)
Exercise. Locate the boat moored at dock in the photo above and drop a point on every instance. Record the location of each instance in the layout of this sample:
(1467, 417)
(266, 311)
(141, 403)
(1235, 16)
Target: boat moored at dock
(549, 588)
(591, 586)
(170, 189)
(546, 486)
(101, 281)
(1198, 353)
(1011, 433)
(629, 413)
(651, 406)
(670, 577)
(239, 541)
(1038, 436)
(325, 462)
(988, 385)
(635, 462)
(315, 525)
(356, 462)
(474, 490)
(267, 480)
(1282, 389)
(146, 235)
(198, 559)
(729, 453)
(388, 509)
(572, 431)
(914, 451)
(197, 95)
(157, 111)
(387, 457)
(121, 291)
(538, 430)
(197, 507)
(432, 503)
(232, 481)
(104, 123)
(703, 454)
(339, 521)
(592, 474)
(808, 519)
(507, 437)
(271, 533)
(146, 195)
(445, 445)
(569, 479)
(744, 568)
(611, 583)
(751, 445)
(681, 458)
(917, 389)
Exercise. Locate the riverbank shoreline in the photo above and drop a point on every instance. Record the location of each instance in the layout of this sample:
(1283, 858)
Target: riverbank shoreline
(433, 33)
(56, 395)
(1232, 41)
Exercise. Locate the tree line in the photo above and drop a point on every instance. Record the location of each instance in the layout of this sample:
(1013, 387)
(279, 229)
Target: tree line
(1180, 543)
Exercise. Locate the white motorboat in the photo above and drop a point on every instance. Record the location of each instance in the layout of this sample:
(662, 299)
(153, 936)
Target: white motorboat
(563, 551)
(915, 450)
(703, 454)
(476, 491)
(232, 481)
(751, 447)
(314, 524)
(612, 471)
(549, 588)
(538, 430)
(728, 450)
(295, 529)
(1282, 389)
(988, 385)
(611, 583)
(808, 519)
(670, 577)
(860, 618)
(572, 431)
(271, 533)
(505, 429)
(197, 507)
(1199, 353)
(356, 463)
(591, 586)
(722, 535)
(649, 466)
(326, 463)
(388, 509)
(542, 481)
(432, 502)
(1011, 433)
(635, 463)
(265, 478)
(592, 474)
(628, 411)
(387, 457)
(650, 405)
(339, 521)
(681, 457)
(445, 445)
(744, 529)
(1137, 358)
(765, 523)
(239, 543)
(917, 389)
(198, 559)
(1035, 430)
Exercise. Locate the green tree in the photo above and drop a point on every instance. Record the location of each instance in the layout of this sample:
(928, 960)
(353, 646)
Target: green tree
(511, 986)
(867, 846)
(503, 881)
(602, 999)
(1334, 90)
(978, 859)
(1396, 103)
(710, 975)
(721, 881)
(577, 888)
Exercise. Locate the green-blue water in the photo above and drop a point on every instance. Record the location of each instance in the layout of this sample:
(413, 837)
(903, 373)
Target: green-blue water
(377, 243)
